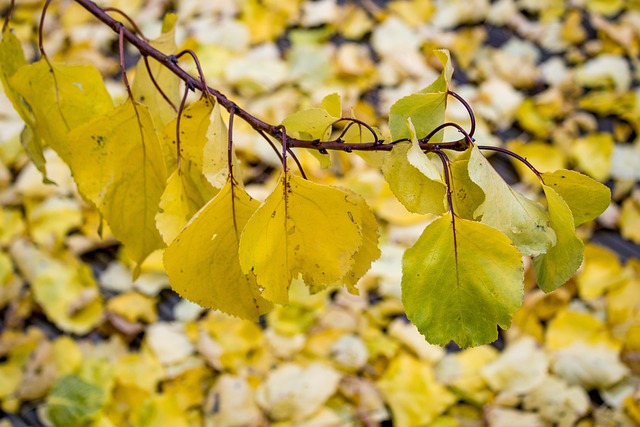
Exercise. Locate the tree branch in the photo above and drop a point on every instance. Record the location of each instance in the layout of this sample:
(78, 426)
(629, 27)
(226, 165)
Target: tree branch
(171, 63)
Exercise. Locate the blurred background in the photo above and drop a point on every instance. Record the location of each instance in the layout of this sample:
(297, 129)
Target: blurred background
(557, 82)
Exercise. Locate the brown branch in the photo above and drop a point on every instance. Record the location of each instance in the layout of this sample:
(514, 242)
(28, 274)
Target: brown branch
(171, 63)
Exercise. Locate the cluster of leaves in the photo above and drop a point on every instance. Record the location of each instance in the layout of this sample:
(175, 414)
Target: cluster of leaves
(462, 278)
(364, 355)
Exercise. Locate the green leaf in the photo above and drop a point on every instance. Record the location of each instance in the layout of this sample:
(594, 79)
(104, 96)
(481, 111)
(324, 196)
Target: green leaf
(442, 83)
(414, 178)
(74, 402)
(586, 197)
(426, 109)
(203, 264)
(467, 196)
(564, 258)
(302, 228)
(118, 165)
(524, 221)
(460, 281)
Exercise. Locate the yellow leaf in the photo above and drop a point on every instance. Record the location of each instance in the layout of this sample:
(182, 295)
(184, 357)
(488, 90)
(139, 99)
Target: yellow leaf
(161, 410)
(64, 288)
(593, 155)
(630, 219)
(369, 251)
(194, 122)
(461, 372)
(11, 60)
(523, 221)
(186, 192)
(139, 370)
(52, 219)
(215, 161)
(67, 355)
(145, 92)
(602, 271)
(302, 228)
(117, 162)
(203, 264)
(134, 307)
(410, 389)
(61, 97)
(570, 327)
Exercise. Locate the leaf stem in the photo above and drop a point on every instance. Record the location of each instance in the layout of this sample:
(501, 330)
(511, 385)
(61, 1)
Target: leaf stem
(466, 105)
(515, 156)
(7, 17)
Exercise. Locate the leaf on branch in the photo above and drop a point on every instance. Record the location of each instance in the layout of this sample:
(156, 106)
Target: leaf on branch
(316, 124)
(426, 109)
(11, 60)
(117, 162)
(563, 259)
(369, 251)
(303, 228)
(203, 263)
(467, 195)
(194, 123)
(187, 190)
(586, 197)
(61, 97)
(460, 281)
(524, 221)
(183, 196)
(215, 163)
(414, 178)
(144, 91)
